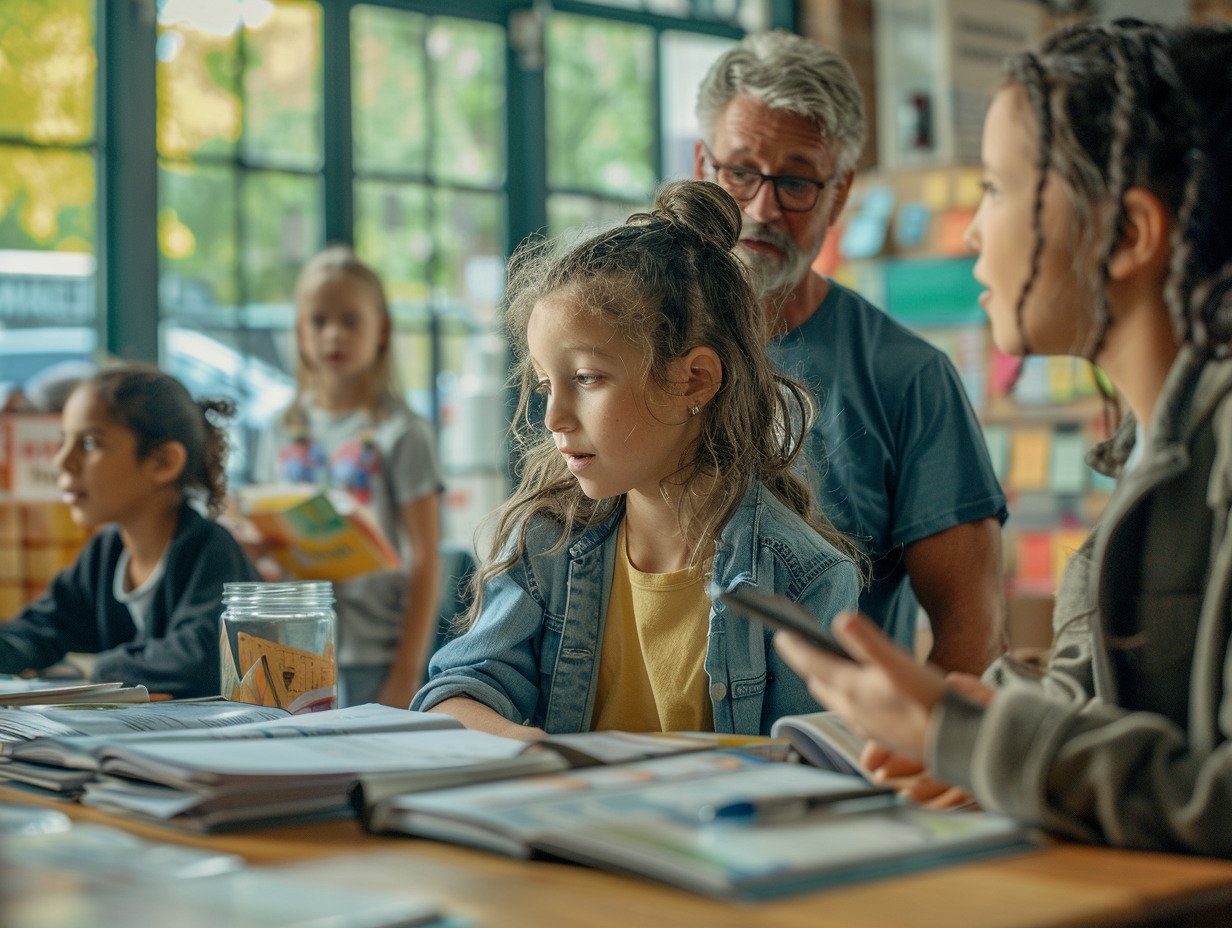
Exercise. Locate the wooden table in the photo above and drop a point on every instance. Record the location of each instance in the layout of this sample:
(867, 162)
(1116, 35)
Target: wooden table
(1066, 884)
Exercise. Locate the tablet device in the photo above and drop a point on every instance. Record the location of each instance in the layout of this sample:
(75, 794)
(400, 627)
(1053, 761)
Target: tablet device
(781, 613)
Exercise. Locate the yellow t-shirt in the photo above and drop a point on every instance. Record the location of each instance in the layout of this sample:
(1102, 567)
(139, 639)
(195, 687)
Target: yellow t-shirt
(651, 674)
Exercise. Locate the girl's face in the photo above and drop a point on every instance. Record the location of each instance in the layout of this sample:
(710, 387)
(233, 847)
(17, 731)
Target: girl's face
(101, 478)
(341, 329)
(617, 433)
(1003, 234)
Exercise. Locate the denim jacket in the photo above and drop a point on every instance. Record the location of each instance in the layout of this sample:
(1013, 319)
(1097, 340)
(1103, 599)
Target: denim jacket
(533, 654)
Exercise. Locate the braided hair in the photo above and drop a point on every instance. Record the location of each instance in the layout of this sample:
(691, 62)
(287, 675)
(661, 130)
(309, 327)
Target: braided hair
(668, 282)
(1126, 104)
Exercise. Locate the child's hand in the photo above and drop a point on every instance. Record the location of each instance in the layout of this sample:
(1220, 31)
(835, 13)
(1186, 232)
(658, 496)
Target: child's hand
(249, 537)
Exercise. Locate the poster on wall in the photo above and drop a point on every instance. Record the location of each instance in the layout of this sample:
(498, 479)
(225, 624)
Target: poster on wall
(28, 446)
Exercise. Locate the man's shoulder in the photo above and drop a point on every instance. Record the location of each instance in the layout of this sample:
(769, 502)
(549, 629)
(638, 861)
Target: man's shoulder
(867, 322)
(850, 341)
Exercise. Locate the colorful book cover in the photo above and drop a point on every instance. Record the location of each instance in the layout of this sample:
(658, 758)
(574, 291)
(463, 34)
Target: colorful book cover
(1030, 453)
(320, 536)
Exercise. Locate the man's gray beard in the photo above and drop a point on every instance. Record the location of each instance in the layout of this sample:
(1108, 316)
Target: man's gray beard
(774, 279)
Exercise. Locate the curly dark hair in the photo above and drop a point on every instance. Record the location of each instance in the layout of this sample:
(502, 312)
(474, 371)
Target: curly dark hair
(157, 409)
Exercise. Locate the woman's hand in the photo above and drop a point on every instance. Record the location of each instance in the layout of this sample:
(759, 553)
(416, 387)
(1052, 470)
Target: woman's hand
(883, 693)
(909, 778)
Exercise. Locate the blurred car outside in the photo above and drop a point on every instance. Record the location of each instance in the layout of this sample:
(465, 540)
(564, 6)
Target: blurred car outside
(207, 367)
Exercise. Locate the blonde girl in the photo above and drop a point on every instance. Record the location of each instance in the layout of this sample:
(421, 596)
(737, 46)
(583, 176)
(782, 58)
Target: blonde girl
(145, 593)
(1108, 151)
(662, 466)
(348, 428)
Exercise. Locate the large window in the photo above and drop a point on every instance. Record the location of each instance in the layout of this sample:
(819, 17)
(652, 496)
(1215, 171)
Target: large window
(619, 114)
(240, 154)
(240, 151)
(433, 137)
(428, 98)
(48, 200)
(601, 155)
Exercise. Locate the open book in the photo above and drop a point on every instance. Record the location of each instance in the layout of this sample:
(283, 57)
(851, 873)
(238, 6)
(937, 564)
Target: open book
(322, 535)
(27, 730)
(375, 793)
(715, 822)
(231, 783)
(823, 739)
(51, 748)
(62, 752)
(45, 693)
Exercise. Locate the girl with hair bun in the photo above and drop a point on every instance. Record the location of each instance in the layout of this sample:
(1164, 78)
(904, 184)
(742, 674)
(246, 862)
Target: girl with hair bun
(1109, 152)
(145, 594)
(662, 469)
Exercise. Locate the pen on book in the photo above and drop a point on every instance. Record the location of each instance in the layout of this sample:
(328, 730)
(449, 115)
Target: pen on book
(775, 809)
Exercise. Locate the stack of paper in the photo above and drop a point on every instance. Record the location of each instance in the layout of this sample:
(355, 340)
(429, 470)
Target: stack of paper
(233, 783)
(52, 748)
(17, 692)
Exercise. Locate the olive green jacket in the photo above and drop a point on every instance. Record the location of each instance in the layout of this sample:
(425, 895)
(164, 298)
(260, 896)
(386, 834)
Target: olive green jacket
(1125, 740)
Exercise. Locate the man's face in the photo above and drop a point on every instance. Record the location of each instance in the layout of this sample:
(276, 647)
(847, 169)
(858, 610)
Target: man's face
(778, 246)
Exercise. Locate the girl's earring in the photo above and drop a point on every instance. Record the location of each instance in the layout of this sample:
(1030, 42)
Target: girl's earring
(694, 410)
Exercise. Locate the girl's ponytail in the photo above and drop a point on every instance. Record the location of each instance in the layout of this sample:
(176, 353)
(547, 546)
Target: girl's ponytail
(211, 474)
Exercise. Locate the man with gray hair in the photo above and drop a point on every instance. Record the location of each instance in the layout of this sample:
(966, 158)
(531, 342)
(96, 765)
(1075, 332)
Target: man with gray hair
(897, 457)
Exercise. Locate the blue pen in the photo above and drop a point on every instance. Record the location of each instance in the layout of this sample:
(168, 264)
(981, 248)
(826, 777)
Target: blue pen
(775, 809)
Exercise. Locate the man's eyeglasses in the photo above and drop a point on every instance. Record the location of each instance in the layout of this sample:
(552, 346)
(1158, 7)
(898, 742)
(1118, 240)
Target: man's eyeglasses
(794, 194)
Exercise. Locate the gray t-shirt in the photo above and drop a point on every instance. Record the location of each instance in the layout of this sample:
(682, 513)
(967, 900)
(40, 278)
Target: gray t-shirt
(140, 599)
(896, 453)
(384, 464)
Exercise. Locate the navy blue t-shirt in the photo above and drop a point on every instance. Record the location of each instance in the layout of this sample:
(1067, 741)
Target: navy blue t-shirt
(896, 453)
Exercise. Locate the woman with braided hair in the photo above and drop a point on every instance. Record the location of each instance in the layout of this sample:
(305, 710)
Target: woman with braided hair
(1109, 153)
(663, 465)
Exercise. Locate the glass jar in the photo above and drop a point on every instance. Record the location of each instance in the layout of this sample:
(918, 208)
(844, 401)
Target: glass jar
(277, 644)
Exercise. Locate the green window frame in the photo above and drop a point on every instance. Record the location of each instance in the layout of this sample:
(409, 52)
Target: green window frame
(538, 191)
